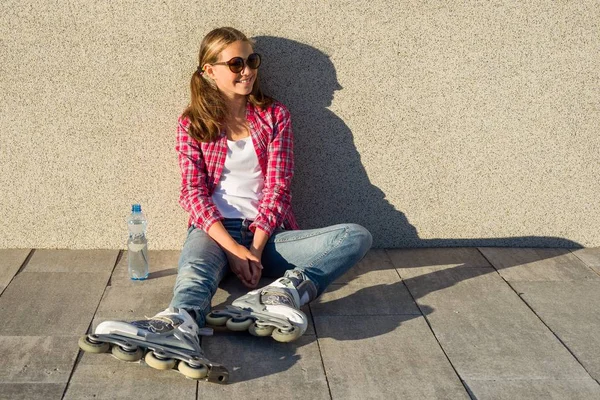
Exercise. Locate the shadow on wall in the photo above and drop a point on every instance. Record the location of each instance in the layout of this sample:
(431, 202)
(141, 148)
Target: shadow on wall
(331, 185)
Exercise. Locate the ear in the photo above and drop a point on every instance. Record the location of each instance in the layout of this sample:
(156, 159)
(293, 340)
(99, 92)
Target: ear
(208, 70)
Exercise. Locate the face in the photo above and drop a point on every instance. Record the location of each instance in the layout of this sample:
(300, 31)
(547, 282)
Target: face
(233, 84)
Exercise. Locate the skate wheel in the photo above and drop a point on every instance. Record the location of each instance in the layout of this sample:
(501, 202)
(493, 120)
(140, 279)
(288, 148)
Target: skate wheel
(216, 320)
(127, 355)
(289, 336)
(92, 347)
(260, 330)
(192, 372)
(239, 325)
(159, 363)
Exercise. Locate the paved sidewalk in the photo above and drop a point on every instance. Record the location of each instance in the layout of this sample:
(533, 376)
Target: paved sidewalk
(453, 323)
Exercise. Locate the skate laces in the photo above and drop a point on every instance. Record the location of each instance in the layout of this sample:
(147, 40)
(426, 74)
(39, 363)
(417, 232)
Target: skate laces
(276, 296)
(158, 323)
(164, 318)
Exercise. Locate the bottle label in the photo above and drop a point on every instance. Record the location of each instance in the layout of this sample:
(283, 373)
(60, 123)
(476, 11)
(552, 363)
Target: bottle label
(136, 229)
(136, 246)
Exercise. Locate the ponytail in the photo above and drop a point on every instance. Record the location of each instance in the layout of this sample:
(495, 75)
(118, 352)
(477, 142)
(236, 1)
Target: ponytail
(207, 109)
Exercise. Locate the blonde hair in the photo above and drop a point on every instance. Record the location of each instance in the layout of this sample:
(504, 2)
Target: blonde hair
(207, 109)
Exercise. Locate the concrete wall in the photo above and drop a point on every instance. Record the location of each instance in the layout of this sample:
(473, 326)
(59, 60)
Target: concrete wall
(432, 123)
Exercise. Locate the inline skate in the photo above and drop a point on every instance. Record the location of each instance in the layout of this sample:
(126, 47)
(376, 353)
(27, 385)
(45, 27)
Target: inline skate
(170, 338)
(273, 310)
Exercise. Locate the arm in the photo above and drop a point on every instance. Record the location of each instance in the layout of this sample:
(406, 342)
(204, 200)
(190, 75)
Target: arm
(276, 201)
(194, 196)
(243, 262)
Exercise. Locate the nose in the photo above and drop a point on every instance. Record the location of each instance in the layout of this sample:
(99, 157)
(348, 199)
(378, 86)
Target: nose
(246, 69)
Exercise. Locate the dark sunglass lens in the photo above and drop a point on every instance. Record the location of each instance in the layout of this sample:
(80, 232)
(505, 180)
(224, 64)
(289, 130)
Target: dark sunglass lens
(236, 64)
(254, 60)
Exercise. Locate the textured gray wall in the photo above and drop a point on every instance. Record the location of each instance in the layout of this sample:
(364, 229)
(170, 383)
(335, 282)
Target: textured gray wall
(435, 123)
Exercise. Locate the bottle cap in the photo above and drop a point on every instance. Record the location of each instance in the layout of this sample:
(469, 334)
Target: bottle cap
(136, 208)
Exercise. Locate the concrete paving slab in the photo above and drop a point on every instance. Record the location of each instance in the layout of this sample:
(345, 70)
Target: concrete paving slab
(10, 262)
(385, 357)
(37, 359)
(50, 303)
(355, 299)
(78, 261)
(372, 287)
(590, 256)
(425, 280)
(486, 330)
(261, 368)
(538, 389)
(101, 376)
(162, 266)
(376, 267)
(231, 288)
(538, 264)
(32, 391)
(570, 309)
(412, 258)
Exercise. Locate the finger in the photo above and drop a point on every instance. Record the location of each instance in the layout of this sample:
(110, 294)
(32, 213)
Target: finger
(255, 279)
(237, 271)
(247, 283)
(252, 257)
(257, 264)
(254, 275)
(257, 272)
(246, 272)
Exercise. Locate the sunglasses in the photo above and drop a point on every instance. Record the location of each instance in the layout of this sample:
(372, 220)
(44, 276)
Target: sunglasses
(236, 64)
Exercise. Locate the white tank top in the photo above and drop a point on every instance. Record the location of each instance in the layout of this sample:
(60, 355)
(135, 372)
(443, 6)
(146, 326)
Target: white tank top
(240, 188)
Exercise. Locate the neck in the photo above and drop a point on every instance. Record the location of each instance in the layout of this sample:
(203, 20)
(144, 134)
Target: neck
(237, 106)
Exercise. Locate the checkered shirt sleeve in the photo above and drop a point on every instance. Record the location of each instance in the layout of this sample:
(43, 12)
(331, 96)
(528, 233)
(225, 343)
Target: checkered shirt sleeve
(194, 197)
(276, 202)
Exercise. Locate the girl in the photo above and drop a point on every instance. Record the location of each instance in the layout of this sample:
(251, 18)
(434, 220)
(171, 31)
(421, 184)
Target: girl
(235, 148)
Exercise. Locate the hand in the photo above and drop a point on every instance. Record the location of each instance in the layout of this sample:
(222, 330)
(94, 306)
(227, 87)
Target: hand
(244, 265)
(256, 267)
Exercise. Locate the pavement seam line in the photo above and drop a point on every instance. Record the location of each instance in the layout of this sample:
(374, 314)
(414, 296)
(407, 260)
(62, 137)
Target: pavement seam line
(312, 317)
(80, 352)
(21, 268)
(583, 261)
(463, 383)
(540, 318)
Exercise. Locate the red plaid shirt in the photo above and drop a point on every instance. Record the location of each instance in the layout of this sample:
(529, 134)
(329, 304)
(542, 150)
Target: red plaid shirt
(202, 164)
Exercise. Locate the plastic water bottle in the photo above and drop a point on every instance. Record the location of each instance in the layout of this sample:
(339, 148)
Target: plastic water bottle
(137, 244)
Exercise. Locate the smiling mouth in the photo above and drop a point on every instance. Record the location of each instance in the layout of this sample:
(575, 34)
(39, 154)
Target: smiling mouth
(245, 80)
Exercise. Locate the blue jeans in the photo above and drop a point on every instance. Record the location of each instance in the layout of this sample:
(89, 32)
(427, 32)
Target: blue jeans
(322, 255)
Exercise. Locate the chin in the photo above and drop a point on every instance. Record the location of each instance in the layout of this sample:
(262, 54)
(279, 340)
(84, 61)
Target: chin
(244, 92)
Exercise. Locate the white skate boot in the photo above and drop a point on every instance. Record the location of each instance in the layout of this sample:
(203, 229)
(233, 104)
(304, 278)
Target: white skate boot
(272, 310)
(171, 338)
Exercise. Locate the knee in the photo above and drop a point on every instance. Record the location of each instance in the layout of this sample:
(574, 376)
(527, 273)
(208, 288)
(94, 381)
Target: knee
(360, 237)
(200, 270)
